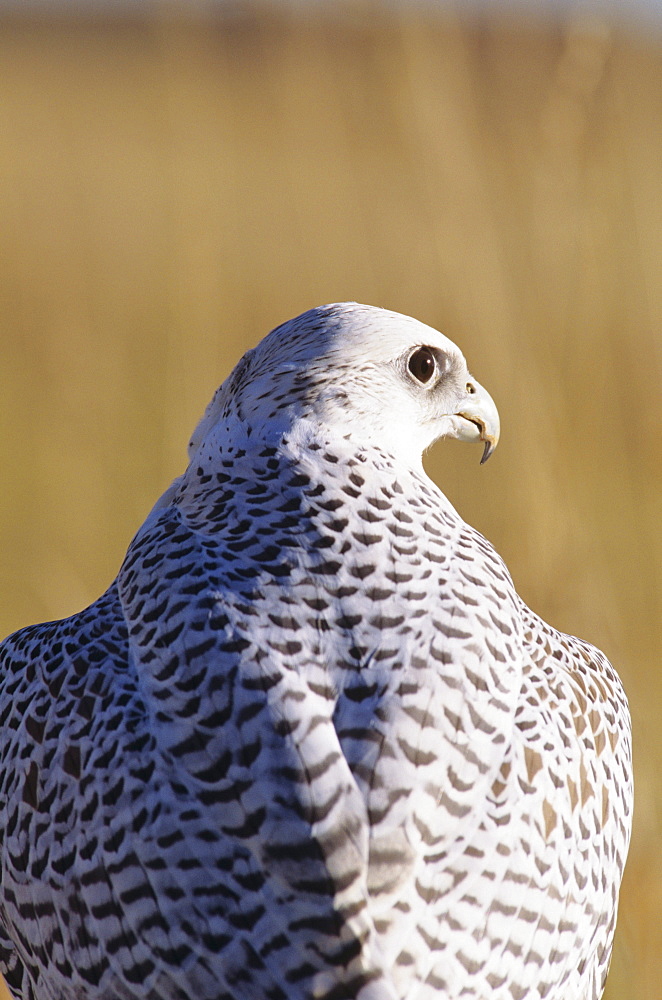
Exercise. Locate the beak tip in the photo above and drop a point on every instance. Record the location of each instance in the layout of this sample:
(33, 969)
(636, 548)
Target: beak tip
(489, 448)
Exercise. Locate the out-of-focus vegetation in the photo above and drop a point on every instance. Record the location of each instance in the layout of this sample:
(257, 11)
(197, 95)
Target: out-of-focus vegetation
(173, 187)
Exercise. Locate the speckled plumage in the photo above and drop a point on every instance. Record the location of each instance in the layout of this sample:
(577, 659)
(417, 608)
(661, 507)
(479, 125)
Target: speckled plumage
(311, 743)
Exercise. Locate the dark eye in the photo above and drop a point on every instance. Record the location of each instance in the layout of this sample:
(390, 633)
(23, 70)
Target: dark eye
(422, 364)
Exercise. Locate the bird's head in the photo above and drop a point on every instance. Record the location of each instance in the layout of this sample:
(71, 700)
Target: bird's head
(374, 376)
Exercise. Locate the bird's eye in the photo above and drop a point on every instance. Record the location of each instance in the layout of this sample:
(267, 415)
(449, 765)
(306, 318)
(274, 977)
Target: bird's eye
(422, 364)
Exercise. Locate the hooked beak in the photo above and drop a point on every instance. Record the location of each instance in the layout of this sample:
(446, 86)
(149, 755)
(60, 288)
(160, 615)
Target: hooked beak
(477, 419)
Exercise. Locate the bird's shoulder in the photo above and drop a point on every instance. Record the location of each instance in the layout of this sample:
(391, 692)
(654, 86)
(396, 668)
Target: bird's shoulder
(85, 651)
(68, 689)
(562, 670)
(573, 730)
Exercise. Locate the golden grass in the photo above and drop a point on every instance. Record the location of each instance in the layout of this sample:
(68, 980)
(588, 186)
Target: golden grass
(172, 188)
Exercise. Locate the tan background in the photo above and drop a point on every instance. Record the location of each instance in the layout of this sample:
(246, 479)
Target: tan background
(170, 189)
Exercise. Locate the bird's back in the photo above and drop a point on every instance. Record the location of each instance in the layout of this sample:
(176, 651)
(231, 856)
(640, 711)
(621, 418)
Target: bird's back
(310, 743)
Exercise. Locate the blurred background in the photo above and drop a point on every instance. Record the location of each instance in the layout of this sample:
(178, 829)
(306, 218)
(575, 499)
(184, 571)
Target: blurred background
(177, 179)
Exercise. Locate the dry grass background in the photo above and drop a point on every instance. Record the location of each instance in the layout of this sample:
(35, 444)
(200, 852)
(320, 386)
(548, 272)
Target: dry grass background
(173, 187)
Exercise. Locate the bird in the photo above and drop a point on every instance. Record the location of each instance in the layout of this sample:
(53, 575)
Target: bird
(310, 744)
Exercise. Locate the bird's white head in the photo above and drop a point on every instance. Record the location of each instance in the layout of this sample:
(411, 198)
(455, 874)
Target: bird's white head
(374, 376)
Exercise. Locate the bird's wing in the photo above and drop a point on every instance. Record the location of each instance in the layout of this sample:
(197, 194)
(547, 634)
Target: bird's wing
(536, 877)
(574, 747)
(69, 709)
